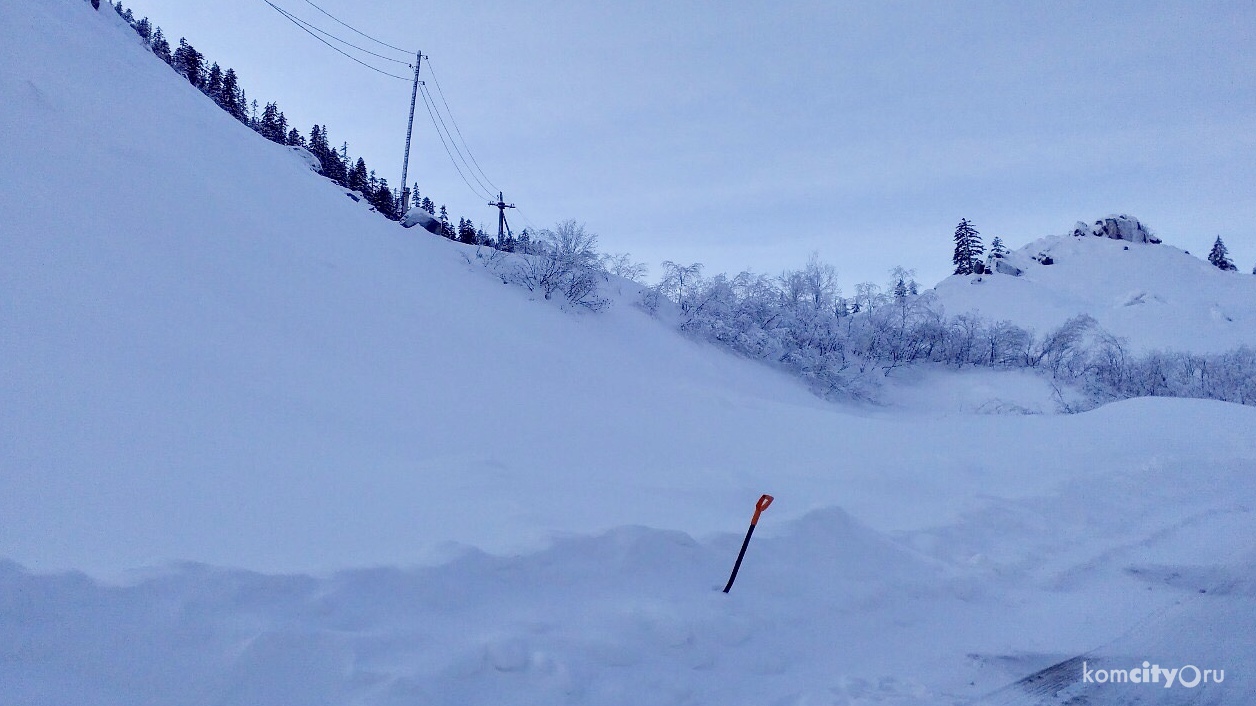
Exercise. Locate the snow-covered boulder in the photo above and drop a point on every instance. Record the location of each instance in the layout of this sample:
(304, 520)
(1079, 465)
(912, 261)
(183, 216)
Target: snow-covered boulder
(308, 157)
(1120, 227)
(1003, 267)
(418, 217)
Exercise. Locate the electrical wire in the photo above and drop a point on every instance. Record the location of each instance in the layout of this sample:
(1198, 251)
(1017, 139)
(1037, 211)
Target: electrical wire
(428, 104)
(441, 93)
(373, 39)
(454, 142)
(297, 22)
(527, 220)
(438, 121)
(329, 35)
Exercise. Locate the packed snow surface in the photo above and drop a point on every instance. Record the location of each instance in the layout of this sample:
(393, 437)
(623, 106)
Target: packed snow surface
(260, 445)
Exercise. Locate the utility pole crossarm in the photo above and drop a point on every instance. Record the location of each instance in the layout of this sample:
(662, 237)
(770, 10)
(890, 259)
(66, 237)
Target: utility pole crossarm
(503, 228)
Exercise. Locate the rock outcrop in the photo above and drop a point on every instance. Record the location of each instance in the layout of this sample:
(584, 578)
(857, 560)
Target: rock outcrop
(1120, 227)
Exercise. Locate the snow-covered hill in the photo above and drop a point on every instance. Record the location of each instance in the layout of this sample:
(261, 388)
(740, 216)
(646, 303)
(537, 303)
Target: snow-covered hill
(215, 368)
(1155, 296)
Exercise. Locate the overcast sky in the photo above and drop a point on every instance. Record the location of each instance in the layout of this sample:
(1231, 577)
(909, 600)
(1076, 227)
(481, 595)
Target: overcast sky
(749, 134)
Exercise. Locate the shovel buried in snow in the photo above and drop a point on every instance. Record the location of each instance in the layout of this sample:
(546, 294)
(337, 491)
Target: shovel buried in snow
(759, 507)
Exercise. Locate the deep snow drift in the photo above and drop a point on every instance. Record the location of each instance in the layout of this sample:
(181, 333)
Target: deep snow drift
(484, 498)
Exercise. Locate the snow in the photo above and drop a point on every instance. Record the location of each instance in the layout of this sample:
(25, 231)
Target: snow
(261, 445)
(418, 217)
(1154, 296)
(940, 391)
(307, 157)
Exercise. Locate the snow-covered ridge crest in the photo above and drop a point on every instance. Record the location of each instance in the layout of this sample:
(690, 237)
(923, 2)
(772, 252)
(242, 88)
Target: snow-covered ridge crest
(1159, 297)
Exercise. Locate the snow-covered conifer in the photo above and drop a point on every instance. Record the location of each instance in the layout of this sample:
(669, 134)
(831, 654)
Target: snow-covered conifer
(160, 46)
(997, 249)
(189, 63)
(1220, 257)
(968, 249)
(358, 176)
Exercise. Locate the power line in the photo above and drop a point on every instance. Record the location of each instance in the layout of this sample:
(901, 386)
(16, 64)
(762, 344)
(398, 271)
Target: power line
(297, 22)
(452, 141)
(527, 220)
(456, 128)
(433, 111)
(373, 39)
(350, 44)
(428, 104)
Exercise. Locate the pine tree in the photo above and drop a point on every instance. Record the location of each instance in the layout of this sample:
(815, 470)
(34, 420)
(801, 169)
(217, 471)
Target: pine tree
(144, 28)
(968, 250)
(189, 63)
(270, 126)
(358, 176)
(383, 200)
(429, 206)
(466, 231)
(213, 83)
(997, 250)
(333, 168)
(1220, 257)
(295, 139)
(340, 164)
(317, 144)
(161, 47)
(231, 97)
(446, 229)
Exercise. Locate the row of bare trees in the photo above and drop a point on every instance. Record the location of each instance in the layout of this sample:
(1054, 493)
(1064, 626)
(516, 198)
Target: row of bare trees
(800, 321)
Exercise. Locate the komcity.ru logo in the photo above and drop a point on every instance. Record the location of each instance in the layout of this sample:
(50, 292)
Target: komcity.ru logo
(1188, 675)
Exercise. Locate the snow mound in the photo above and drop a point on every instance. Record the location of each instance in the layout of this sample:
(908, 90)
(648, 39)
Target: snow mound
(420, 217)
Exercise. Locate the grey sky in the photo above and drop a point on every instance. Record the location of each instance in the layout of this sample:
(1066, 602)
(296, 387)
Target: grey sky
(748, 134)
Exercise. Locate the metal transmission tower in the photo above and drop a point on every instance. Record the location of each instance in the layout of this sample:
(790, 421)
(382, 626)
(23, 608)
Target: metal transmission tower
(503, 228)
(405, 165)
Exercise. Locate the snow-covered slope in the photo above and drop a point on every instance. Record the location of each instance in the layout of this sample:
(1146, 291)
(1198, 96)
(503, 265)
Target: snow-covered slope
(209, 354)
(210, 325)
(1153, 295)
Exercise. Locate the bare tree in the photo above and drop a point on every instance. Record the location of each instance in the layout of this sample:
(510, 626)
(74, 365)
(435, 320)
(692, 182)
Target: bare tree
(563, 260)
(621, 265)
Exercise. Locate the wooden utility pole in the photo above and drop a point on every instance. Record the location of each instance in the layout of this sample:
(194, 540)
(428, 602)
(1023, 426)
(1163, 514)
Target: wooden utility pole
(405, 165)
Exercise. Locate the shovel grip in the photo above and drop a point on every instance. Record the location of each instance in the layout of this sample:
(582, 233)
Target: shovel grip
(759, 507)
